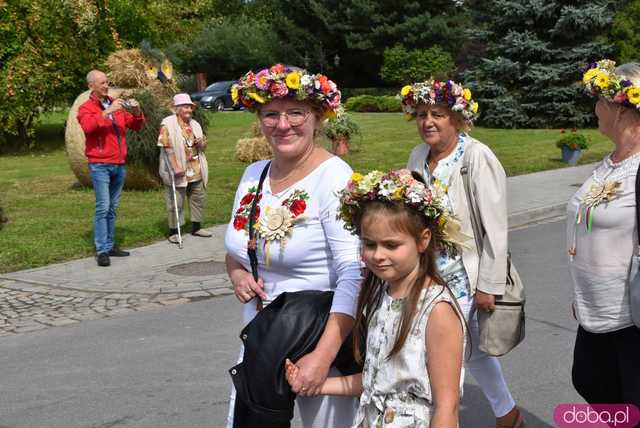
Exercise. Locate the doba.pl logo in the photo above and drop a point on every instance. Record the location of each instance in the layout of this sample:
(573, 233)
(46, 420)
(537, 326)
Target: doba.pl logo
(575, 415)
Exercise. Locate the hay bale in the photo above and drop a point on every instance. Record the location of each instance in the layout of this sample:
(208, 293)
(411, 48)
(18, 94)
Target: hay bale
(253, 149)
(137, 177)
(128, 69)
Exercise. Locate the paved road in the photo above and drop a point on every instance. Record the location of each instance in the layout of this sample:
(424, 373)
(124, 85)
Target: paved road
(166, 366)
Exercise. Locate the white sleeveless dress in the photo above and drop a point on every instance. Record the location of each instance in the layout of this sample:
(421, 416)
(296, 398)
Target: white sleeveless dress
(397, 391)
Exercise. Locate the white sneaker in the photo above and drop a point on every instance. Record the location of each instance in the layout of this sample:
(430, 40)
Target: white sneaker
(202, 233)
(174, 239)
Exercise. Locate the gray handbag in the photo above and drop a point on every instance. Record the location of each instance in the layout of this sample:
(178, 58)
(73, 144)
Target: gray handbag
(504, 328)
(634, 272)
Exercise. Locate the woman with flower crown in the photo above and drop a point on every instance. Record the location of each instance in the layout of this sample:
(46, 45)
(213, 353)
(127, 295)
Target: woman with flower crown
(444, 112)
(300, 243)
(602, 238)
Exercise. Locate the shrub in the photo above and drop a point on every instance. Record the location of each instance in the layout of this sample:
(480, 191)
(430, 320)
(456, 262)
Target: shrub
(341, 126)
(573, 141)
(354, 92)
(402, 65)
(373, 104)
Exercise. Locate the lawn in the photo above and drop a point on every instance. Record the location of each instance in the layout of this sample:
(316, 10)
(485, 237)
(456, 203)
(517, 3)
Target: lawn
(51, 217)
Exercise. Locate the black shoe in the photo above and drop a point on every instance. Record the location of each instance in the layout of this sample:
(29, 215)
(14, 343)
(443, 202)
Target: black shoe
(103, 259)
(117, 252)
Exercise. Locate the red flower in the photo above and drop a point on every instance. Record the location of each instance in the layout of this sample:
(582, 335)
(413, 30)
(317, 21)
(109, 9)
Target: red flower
(257, 212)
(247, 199)
(574, 130)
(278, 68)
(298, 206)
(239, 222)
(562, 131)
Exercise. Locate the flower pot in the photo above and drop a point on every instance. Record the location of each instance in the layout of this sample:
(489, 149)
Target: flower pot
(571, 156)
(340, 146)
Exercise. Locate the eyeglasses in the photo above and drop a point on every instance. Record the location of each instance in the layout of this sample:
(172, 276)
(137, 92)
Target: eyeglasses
(270, 119)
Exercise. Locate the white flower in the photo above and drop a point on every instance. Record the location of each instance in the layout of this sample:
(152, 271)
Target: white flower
(275, 223)
(387, 188)
(306, 80)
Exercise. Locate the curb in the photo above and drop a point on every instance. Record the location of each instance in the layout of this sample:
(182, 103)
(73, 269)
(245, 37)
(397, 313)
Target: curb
(523, 218)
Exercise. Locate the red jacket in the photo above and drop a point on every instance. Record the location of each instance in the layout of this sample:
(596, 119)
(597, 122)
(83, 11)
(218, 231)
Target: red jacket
(106, 138)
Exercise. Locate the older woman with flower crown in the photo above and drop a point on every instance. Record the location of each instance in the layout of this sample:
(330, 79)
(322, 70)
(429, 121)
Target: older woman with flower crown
(300, 243)
(444, 112)
(602, 238)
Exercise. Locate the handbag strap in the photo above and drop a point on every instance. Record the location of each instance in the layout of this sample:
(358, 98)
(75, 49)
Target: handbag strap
(252, 244)
(638, 207)
(476, 224)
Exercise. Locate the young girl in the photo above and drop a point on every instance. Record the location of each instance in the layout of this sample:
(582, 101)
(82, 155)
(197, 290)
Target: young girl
(413, 328)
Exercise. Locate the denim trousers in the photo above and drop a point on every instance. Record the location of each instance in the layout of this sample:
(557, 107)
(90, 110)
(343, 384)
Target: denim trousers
(108, 180)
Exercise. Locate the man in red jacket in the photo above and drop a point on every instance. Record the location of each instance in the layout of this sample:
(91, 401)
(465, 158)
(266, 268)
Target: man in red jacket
(104, 121)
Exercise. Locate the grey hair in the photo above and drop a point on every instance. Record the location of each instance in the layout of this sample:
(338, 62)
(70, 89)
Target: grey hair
(630, 70)
(91, 75)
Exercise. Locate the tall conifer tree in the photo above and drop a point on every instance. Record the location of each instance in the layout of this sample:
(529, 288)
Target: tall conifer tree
(530, 72)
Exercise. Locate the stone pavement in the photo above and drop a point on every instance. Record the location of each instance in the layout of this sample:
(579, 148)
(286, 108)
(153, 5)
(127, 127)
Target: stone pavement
(162, 274)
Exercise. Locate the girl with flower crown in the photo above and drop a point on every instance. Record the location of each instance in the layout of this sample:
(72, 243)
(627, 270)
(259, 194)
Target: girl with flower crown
(602, 238)
(299, 242)
(408, 324)
(444, 111)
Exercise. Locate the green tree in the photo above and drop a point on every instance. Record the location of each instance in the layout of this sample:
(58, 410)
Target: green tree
(226, 48)
(403, 66)
(530, 73)
(625, 33)
(45, 55)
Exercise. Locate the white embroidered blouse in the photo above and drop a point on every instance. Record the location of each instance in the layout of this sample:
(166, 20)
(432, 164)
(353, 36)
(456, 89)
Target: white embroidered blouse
(602, 251)
(318, 253)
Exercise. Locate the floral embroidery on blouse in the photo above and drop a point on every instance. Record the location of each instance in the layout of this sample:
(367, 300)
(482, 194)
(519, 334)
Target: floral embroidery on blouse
(276, 224)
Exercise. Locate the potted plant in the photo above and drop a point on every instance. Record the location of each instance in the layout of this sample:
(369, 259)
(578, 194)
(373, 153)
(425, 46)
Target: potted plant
(572, 146)
(339, 130)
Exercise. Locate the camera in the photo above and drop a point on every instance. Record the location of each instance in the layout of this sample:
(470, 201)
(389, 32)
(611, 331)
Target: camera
(126, 104)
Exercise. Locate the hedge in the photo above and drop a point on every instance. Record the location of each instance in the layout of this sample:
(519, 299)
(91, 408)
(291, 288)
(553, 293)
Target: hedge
(373, 104)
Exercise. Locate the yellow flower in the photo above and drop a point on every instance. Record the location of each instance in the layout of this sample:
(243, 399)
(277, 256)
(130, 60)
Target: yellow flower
(256, 97)
(397, 194)
(602, 80)
(474, 107)
(633, 94)
(356, 177)
(329, 114)
(466, 94)
(234, 94)
(293, 80)
(405, 90)
(442, 220)
(590, 74)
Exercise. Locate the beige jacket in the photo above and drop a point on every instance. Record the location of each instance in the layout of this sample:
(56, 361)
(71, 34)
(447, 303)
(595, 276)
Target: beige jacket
(486, 271)
(177, 141)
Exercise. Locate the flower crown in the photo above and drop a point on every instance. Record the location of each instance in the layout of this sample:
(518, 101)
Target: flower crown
(280, 81)
(431, 91)
(600, 79)
(400, 186)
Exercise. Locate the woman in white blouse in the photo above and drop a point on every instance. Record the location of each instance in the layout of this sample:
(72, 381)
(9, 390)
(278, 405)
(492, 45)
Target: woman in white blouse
(301, 245)
(601, 238)
(444, 111)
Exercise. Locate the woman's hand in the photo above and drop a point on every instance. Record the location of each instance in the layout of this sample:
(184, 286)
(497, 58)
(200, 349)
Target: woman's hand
(484, 301)
(245, 287)
(291, 371)
(312, 371)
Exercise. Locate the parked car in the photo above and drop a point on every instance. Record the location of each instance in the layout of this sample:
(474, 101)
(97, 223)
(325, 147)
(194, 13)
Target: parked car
(216, 96)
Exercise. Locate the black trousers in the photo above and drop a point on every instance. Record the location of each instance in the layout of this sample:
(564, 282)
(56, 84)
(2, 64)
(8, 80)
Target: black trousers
(606, 366)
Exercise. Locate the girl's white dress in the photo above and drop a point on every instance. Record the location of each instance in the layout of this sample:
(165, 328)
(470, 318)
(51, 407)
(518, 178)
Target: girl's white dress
(397, 391)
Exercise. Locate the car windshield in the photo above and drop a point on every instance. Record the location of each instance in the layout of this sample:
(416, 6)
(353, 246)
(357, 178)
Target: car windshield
(218, 86)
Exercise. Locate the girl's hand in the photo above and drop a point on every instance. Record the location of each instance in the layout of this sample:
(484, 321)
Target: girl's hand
(245, 287)
(484, 301)
(291, 371)
(311, 374)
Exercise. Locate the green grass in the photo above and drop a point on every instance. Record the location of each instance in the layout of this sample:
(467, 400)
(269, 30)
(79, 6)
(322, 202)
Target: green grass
(51, 218)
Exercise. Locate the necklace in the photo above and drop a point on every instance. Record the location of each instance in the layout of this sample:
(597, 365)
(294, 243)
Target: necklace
(294, 169)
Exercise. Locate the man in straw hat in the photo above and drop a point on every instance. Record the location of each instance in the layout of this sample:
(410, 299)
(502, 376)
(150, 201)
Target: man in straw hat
(182, 157)
(104, 121)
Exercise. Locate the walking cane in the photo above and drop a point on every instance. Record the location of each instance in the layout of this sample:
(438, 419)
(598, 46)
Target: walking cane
(173, 191)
